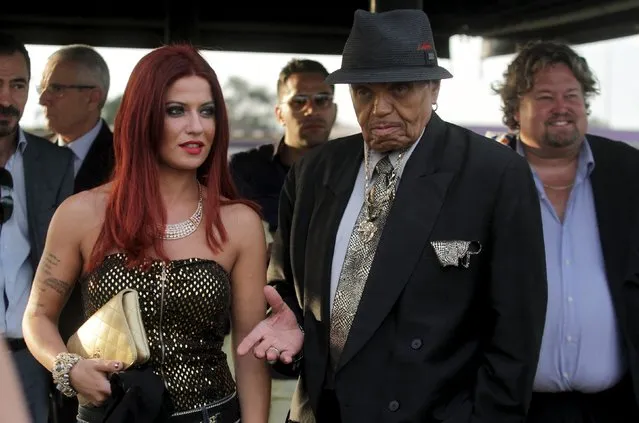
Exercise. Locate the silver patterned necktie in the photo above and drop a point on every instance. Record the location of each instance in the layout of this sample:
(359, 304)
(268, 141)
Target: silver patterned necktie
(359, 256)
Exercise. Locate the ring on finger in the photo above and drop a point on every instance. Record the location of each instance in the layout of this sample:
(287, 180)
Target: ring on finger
(278, 352)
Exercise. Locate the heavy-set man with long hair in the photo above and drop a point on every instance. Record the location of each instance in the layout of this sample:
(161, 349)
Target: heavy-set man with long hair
(588, 191)
(142, 231)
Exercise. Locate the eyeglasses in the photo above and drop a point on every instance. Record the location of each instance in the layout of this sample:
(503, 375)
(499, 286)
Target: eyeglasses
(58, 89)
(6, 202)
(300, 101)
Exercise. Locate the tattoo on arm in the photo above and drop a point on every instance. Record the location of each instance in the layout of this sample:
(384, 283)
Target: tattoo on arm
(59, 286)
(50, 263)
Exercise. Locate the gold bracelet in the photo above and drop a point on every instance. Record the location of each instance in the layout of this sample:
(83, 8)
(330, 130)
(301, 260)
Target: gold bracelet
(61, 369)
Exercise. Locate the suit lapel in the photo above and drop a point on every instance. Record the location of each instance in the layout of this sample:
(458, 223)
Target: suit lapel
(32, 170)
(37, 178)
(419, 198)
(610, 206)
(333, 196)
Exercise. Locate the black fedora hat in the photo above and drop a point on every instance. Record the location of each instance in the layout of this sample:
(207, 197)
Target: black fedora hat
(393, 46)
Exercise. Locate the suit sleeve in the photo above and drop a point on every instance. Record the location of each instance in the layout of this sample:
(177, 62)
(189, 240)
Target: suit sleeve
(517, 301)
(280, 273)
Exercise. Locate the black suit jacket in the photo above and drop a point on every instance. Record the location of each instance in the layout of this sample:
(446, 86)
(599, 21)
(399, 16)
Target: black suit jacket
(97, 166)
(96, 170)
(428, 344)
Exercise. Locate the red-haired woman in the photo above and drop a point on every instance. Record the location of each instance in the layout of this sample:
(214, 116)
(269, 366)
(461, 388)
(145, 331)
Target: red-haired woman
(170, 226)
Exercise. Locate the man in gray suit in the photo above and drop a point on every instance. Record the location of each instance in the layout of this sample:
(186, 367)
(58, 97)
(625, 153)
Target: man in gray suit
(35, 177)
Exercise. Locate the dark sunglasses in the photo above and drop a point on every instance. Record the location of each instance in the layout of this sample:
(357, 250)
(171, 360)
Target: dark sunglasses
(6, 202)
(300, 101)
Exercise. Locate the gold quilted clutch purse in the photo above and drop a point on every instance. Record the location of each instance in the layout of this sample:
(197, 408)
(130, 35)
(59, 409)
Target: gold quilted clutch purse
(114, 332)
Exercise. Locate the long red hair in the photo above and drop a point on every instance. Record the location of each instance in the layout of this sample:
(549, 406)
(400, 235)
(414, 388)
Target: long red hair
(134, 210)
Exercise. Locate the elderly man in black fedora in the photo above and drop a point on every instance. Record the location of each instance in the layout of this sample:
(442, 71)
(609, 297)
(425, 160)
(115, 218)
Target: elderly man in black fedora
(408, 275)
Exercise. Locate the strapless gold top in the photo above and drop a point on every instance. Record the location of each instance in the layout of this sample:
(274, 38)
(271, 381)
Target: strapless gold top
(184, 304)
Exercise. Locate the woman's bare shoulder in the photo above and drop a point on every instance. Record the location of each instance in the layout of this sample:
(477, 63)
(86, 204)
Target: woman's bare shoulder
(240, 220)
(83, 207)
(239, 214)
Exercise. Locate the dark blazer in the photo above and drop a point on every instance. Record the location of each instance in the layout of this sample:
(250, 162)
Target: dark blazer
(48, 178)
(98, 164)
(428, 344)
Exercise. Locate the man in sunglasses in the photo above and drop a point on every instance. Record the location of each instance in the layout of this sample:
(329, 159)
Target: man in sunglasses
(35, 177)
(307, 113)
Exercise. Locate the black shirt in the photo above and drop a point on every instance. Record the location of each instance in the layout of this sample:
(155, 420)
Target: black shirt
(259, 175)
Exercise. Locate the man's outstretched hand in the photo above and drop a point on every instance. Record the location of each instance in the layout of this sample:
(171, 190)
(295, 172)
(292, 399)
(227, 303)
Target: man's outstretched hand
(278, 337)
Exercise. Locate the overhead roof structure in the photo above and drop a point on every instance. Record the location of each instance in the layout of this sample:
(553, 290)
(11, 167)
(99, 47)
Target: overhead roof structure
(310, 27)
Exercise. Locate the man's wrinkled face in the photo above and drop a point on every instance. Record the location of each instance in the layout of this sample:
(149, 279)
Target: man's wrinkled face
(393, 115)
(68, 95)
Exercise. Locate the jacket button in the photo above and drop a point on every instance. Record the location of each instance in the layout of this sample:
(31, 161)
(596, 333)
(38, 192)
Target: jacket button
(393, 405)
(416, 344)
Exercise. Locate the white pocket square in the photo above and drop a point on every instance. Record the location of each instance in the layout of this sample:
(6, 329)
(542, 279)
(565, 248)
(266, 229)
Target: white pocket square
(454, 253)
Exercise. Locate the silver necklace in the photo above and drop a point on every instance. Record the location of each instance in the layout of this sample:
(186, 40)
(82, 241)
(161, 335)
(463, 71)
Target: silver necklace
(366, 227)
(183, 229)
